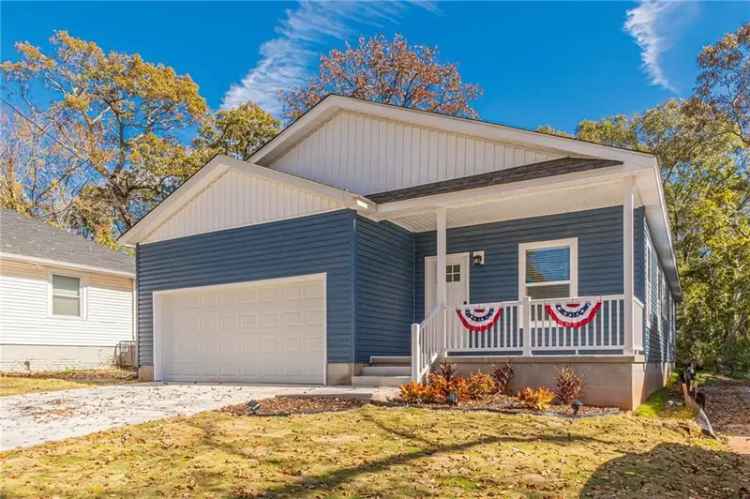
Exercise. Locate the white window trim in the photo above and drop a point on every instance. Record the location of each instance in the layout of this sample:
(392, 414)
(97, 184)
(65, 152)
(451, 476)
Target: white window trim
(82, 295)
(647, 281)
(571, 243)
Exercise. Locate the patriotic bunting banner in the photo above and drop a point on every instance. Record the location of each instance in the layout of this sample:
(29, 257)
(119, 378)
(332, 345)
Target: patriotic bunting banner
(479, 319)
(573, 315)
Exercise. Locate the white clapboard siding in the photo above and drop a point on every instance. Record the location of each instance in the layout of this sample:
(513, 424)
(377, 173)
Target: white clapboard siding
(237, 199)
(368, 155)
(24, 308)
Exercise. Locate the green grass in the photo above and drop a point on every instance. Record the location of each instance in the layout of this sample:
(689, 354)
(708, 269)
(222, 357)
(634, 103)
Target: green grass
(381, 452)
(62, 380)
(657, 405)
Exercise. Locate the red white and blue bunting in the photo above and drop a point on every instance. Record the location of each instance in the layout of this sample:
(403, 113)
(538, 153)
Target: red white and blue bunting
(573, 315)
(479, 319)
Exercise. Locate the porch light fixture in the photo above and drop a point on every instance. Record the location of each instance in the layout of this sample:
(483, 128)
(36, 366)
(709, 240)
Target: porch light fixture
(477, 257)
(362, 204)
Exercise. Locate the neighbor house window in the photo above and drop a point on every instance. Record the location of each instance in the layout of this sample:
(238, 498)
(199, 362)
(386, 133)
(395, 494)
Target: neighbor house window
(548, 269)
(66, 295)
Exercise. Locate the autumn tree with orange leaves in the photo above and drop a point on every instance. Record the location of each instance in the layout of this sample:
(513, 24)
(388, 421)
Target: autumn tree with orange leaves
(389, 72)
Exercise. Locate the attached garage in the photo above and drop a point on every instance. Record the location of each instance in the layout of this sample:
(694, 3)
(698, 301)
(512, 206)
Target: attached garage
(268, 331)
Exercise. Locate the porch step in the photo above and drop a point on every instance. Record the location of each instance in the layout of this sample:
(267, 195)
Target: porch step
(390, 360)
(380, 370)
(380, 380)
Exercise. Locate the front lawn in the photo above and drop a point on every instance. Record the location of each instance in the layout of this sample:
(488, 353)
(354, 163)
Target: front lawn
(382, 452)
(17, 384)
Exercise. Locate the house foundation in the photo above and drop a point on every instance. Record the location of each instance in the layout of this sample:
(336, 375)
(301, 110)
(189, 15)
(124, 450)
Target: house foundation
(621, 381)
(38, 358)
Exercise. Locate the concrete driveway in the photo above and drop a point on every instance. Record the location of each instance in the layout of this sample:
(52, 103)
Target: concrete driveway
(32, 419)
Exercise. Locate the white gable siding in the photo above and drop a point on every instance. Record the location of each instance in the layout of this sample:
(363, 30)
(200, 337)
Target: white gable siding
(367, 155)
(26, 319)
(237, 199)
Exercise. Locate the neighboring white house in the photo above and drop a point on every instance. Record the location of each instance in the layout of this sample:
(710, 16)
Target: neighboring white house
(65, 302)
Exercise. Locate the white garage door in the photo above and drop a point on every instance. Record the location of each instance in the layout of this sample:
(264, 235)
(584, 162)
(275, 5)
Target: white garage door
(256, 332)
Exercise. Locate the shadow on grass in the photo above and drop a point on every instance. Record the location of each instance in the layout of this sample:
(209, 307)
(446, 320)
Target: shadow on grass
(672, 470)
(325, 482)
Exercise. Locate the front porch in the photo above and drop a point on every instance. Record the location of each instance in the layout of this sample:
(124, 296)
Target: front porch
(541, 261)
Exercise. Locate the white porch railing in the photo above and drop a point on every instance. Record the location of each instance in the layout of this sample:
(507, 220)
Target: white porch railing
(504, 336)
(604, 332)
(427, 343)
(526, 328)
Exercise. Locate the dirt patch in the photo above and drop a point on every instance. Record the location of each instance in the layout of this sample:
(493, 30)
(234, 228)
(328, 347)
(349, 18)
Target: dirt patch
(728, 407)
(292, 404)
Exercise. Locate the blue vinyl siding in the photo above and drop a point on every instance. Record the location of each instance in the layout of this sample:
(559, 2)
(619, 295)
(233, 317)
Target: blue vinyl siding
(384, 289)
(307, 245)
(599, 234)
(659, 342)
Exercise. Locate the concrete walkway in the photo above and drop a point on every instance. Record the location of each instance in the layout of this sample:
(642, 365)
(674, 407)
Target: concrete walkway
(32, 419)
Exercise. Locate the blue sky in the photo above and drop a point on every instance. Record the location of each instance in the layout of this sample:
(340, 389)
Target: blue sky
(538, 63)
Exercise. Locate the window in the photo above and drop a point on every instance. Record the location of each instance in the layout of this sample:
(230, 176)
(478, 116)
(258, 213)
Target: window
(453, 273)
(648, 282)
(66, 296)
(548, 269)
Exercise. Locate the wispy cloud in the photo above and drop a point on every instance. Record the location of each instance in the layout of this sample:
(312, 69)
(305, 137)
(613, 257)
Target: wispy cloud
(648, 24)
(287, 60)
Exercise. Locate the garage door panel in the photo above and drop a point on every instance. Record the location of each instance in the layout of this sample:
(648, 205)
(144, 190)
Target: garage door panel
(255, 332)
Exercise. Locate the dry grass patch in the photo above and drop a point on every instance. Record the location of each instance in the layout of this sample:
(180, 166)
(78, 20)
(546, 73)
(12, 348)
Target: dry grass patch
(378, 451)
(17, 384)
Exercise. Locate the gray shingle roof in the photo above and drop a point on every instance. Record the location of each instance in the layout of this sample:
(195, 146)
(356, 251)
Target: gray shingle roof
(26, 236)
(506, 176)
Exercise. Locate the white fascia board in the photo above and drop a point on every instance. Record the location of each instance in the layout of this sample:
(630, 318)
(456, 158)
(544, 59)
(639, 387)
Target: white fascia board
(216, 168)
(340, 195)
(64, 265)
(169, 206)
(332, 104)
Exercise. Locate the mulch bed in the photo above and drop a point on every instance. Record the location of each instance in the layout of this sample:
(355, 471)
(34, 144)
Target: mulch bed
(297, 404)
(287, 405)
(511, 405)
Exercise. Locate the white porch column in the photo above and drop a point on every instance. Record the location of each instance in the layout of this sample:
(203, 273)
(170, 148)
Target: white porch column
(628, 233)
(441, 295)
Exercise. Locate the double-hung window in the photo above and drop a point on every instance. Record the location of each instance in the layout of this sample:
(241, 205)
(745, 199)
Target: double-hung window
(548, 269)
(66, 296)
(648, 276)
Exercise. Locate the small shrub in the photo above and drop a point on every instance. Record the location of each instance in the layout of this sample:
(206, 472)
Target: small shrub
(460, 386)
(568, 385)
(502, 376)
(440, 387)
(480, 385)
(415, 393)
(447, 371)
(538, 399)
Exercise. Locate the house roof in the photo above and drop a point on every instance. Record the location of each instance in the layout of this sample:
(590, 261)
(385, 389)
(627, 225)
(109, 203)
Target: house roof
(506, 176)
(22, 236)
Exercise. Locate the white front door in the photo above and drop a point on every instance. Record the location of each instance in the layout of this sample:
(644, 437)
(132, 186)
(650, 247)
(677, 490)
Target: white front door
(456, 277)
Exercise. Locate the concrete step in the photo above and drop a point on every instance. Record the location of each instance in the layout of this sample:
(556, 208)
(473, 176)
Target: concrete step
(380, 370)
(380, 380)
(390, 359)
